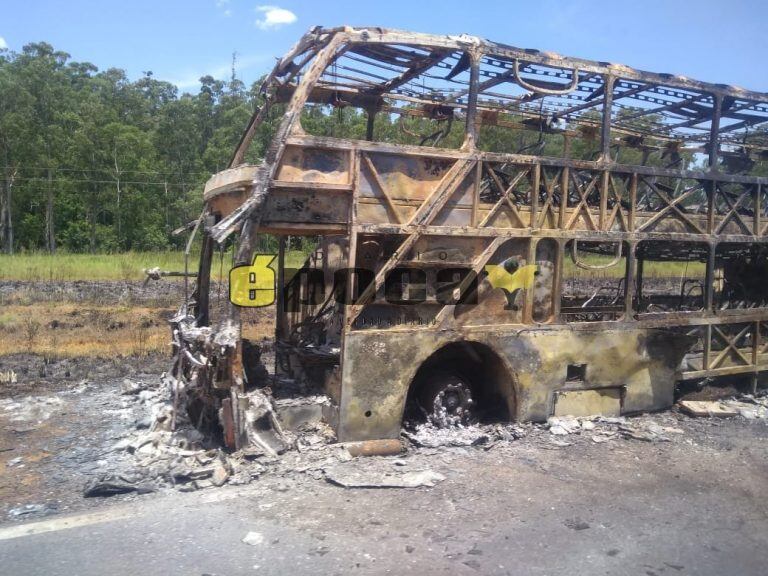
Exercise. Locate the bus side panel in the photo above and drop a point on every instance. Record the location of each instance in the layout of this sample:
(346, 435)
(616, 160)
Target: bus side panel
(378, 368)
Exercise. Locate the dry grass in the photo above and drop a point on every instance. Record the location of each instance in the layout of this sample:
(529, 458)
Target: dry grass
(58, 330)
(67, 330)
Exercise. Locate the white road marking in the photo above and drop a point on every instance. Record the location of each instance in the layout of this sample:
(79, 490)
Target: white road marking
(57, 524)
(123, 512)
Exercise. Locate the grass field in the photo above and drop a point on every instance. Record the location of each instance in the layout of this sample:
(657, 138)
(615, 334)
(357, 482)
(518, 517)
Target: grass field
(40, 267)
(651, 269)
(37, 267)
(59, 328)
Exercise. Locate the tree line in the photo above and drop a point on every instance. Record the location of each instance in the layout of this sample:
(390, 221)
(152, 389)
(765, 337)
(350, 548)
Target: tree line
(92, 161)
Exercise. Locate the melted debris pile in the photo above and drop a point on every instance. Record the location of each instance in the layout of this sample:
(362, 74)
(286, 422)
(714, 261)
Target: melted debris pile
(428, 435)
(602, 429)
(748, 406)
(166, 451)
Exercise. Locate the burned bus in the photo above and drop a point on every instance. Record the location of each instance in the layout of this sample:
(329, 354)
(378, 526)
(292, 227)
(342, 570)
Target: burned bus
(500, 232)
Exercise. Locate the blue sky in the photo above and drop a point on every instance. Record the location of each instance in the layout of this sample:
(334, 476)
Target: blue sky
(717, 41)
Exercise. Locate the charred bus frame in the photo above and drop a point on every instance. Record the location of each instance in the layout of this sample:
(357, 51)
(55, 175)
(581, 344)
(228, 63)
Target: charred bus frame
(690, 191)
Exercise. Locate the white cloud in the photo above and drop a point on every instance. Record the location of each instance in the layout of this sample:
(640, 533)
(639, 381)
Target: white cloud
(3, 43)
(274, 17)
(223, 5)
(190, 79)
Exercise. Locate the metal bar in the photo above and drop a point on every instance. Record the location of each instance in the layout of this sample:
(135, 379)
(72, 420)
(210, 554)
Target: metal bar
(534, 199)
(710, 279)
(413, 72)
(605, 134)
(714, 130)
(476, 191)
(604, 190)
(474, 75)
(629, 284)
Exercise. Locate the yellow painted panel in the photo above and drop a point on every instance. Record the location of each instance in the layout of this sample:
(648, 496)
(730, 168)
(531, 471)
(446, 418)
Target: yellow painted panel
(603, 402)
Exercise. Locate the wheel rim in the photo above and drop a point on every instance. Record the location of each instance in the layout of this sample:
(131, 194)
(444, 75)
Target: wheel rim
(447, 401)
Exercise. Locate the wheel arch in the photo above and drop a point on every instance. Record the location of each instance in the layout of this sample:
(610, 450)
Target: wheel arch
(488, 371)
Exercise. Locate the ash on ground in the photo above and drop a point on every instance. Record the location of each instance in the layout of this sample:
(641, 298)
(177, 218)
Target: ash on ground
(184, 459)
(123, 438)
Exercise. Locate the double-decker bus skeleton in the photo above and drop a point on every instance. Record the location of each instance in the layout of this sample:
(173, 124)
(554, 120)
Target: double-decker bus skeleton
(637, 199)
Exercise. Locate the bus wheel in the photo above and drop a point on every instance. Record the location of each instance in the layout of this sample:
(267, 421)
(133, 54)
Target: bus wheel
(447, 400)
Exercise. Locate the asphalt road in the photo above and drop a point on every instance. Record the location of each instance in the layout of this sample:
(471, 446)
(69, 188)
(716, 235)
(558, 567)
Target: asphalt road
(694, 506)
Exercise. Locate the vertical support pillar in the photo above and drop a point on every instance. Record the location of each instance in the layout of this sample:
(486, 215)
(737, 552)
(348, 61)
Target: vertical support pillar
(370, 119)
(476, 191)
(534, 202)
(640, 271)
(202, 292)
(605, 182)
(564, 176)
(629, 282)
(709, 294)
(605, 135)
(711, 205)
(714, 132)
(758, 200)
(756, 344)
(352, 254)
(712, 161)
(707, 346)
(632, 202)
(474, 78)
(557, 284)
(281, 325)
(528, 301)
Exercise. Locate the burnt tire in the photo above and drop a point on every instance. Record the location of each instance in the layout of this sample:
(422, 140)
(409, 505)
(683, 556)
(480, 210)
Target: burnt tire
(446, 400)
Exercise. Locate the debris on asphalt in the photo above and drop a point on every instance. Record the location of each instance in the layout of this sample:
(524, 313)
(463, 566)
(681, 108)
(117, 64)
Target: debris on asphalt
(647, 431)
(747, 406)
(28, 509)
(112, 484)
(563, 425)
(15, 462)
(705, 408)
(184, 459)
(372, 478)
(253, 538)
(602, 429)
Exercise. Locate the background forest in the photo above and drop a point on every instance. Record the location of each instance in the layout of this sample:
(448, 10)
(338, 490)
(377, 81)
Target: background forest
(91, 161)
(94, 162)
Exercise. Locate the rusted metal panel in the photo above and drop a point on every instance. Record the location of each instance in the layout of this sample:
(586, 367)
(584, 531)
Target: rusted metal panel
(601, 401)
(314, 165)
